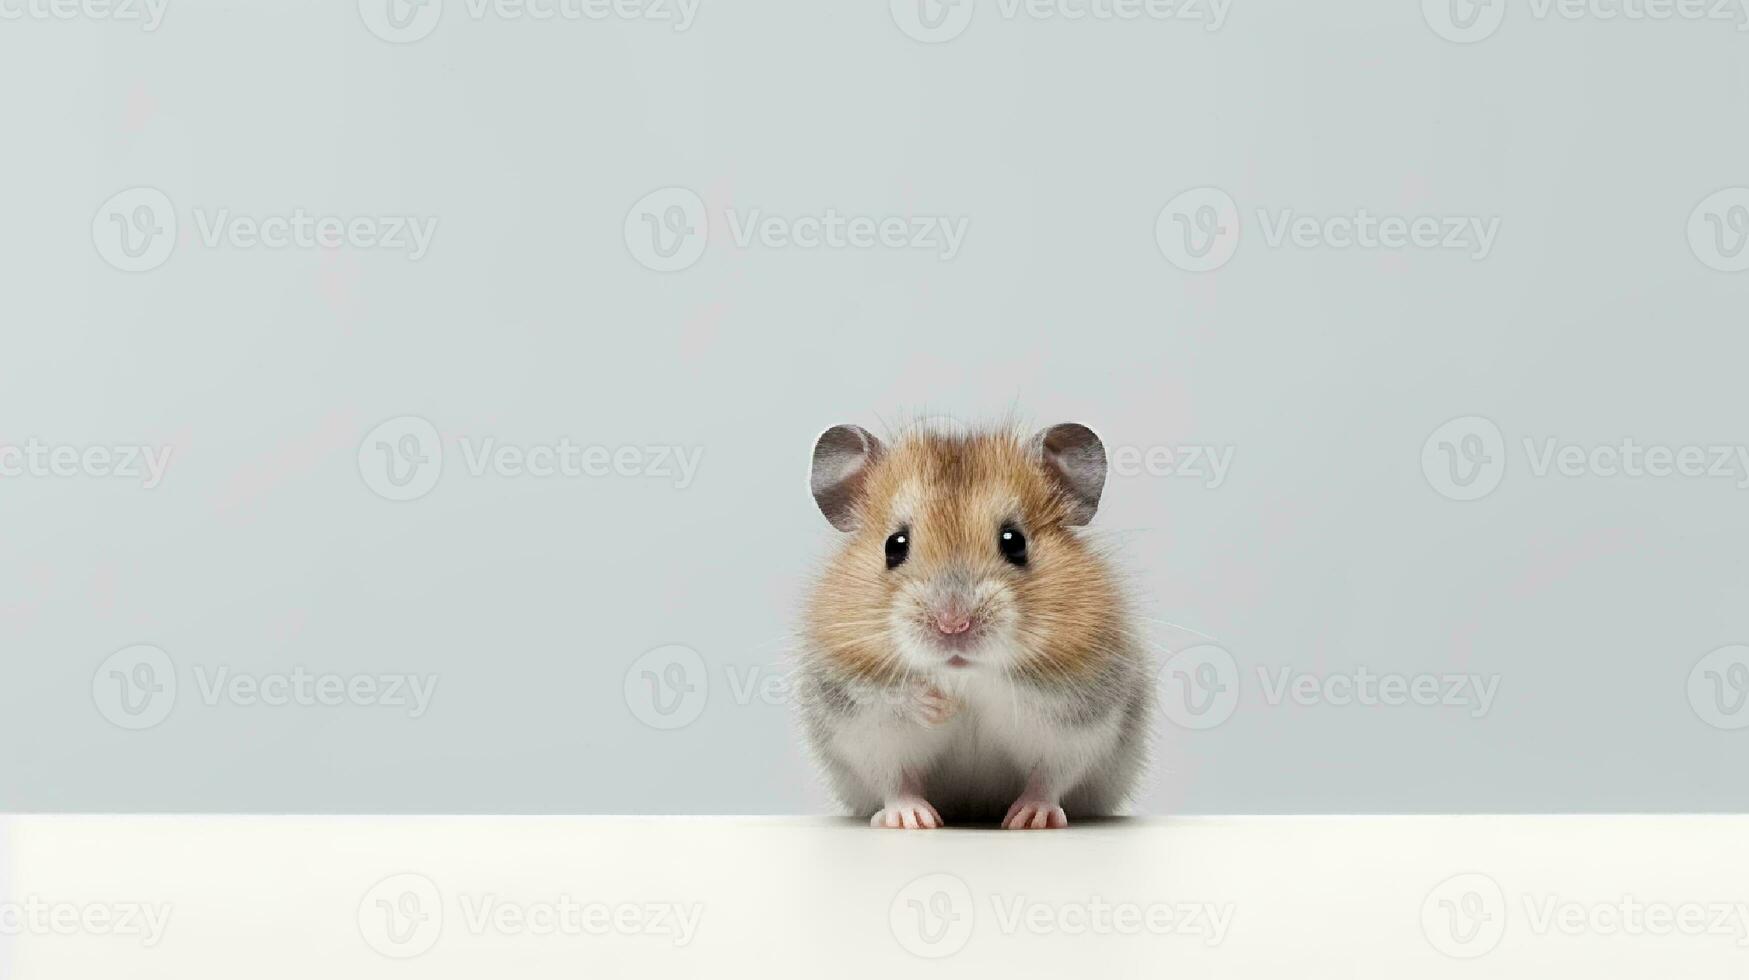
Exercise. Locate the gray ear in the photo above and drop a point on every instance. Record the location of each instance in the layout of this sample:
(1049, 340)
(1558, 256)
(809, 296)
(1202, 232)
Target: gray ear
(1075, 458)
(843, 456)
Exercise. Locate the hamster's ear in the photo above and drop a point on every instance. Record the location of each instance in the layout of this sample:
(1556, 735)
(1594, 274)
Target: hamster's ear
(1075, 458)
(843, 456)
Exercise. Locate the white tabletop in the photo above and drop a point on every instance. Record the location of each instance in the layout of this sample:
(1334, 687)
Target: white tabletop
(1399, 897)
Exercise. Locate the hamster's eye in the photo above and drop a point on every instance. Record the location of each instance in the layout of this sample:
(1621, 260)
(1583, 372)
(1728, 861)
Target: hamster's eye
(1012, 544)
(898, 547)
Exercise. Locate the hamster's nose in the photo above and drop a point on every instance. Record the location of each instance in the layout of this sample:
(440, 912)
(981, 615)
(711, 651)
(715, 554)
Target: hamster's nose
(953, 622)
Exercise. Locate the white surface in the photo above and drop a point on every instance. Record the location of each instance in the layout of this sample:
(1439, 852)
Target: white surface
(263, 897)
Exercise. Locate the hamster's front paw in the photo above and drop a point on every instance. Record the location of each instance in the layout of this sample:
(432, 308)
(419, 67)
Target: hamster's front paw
(908, 813)
(931, 707)
(1035, 815)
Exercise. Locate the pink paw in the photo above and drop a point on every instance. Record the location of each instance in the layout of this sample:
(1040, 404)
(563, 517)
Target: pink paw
(1035, 815)
(911, 813)
(931, 707)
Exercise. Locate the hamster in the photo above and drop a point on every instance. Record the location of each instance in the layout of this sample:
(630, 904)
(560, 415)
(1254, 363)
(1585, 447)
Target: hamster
(966, 656)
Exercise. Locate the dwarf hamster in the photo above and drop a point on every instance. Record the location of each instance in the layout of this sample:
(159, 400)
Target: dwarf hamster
(966, 655)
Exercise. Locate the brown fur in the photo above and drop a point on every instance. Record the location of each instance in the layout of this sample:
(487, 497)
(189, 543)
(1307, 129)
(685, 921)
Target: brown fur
(960, 489)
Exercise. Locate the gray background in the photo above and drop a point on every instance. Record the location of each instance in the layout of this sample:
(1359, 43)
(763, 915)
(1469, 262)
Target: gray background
(1326, 549)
